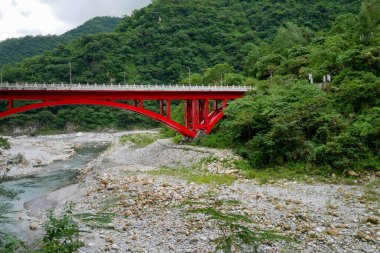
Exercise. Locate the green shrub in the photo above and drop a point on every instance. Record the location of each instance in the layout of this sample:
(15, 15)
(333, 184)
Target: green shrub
(61, 234)
(141, 140)
(236, 235)
(4, 143)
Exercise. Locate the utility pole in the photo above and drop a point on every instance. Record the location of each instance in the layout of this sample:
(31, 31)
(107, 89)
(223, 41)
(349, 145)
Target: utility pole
(189, 75)
(221, 79)
(124, 79)
(71, 80)
(1, 75)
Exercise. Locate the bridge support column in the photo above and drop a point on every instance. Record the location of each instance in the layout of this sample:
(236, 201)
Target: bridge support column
(206, 113)
(168, 108)
(224, 104)
(10, 104)
(202, 119)
(162, 107)
(188, 113)
(194, 114)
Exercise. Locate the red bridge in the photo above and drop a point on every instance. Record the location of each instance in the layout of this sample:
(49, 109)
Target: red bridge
(204, 105)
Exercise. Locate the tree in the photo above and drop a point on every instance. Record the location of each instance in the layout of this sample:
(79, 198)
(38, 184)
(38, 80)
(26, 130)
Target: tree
(216, 74)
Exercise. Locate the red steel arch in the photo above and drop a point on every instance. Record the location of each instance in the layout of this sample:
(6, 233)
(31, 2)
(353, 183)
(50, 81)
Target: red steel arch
(198, 115)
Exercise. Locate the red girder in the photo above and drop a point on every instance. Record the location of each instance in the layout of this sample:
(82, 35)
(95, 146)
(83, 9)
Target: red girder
(197, 112)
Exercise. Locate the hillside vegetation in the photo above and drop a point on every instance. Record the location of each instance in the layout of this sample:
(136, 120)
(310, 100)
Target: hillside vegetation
(273, 45)
(18, 49)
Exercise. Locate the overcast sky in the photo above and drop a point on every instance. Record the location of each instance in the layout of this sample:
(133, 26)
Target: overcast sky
(33, 17)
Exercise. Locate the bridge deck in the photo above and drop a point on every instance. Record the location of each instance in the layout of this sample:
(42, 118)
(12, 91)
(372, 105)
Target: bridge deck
(128, 87)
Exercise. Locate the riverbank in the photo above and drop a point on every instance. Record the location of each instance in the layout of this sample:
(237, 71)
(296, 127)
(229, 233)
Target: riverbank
(151, 196)
(29, 154)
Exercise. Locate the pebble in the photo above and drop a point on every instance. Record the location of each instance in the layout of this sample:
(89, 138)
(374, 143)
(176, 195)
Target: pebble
(153, 210)
(333, 232)
(33, 226)
(374, 220)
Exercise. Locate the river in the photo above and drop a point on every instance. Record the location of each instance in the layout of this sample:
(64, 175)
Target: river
(34, 187)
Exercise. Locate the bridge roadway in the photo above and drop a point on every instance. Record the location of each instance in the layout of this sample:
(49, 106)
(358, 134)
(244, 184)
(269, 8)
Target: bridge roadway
(121, 87)
(204, 105)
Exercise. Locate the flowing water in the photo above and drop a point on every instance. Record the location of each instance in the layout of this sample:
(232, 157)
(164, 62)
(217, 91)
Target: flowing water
(51, 178)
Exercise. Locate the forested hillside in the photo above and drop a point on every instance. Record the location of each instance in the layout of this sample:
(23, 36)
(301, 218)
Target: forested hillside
(158, 43)
(18, 49)
(272, 45)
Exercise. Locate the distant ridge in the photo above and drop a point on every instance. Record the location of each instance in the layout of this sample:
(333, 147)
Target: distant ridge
(18, 49)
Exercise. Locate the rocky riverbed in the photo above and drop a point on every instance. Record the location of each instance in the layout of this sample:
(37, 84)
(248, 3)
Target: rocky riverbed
(147, 199)
(28, 154)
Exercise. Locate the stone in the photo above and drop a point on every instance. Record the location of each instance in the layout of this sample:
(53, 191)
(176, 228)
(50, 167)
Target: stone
(115, 247)
(377, 174)
(104, 181)
(352, 173)
(134, 237)
(229, 172)
(110, 240)
(279, 207)
(128, 213)
(33, 226)
(374, 220)
(363, 236)
(333, 231)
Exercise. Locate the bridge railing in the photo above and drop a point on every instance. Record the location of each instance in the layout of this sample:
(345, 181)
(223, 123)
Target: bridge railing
(122, 87)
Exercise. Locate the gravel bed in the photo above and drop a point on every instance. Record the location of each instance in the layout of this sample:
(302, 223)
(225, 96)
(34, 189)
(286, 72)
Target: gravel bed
(152, 212)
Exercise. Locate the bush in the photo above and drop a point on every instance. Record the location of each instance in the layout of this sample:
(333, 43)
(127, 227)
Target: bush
(61, 234)
(298, 123)
(4, 143)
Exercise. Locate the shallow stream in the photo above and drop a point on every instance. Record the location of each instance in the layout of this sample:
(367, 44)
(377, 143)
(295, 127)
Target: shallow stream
(49, 179)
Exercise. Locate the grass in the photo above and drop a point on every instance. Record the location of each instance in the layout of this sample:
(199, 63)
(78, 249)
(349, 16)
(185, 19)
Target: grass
(141, 140)
(236, 236)
(371, 192)
(109, 202)
(195, 176)
(294, 172)
(96, 220)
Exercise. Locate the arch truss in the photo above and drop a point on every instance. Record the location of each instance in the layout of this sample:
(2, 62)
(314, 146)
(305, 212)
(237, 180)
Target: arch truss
(203, 107)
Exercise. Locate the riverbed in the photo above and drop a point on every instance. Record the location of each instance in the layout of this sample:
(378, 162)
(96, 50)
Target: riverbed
(151, 209)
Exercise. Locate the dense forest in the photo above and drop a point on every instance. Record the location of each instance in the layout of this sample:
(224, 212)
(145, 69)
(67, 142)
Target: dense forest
(18, 49)
(273, 45)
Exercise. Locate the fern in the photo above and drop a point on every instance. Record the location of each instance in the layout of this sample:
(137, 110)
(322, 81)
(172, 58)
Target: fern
(235, 235)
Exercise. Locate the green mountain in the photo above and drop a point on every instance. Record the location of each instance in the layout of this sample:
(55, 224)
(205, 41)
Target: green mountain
(17, 49)
(158, 43)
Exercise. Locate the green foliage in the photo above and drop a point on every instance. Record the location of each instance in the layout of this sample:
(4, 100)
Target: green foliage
(217, 139)
(141, 140)
(5, 209)
(61, 234)
(194, 175)
(237, 237)
(96, 220)
(10, 244)
(159, 42)
(76, 118)
(177, 139)
(215, 75)
(296, 122)
(4, 143)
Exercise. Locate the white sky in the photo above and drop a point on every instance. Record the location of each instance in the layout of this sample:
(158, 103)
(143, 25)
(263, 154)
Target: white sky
(33, 17)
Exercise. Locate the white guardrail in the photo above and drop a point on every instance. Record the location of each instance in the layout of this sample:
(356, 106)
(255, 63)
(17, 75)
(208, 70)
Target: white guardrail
(122, 87)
